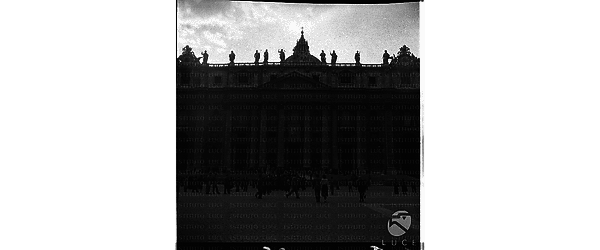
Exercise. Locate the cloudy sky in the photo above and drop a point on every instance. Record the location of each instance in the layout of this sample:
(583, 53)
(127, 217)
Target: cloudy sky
(244, 27)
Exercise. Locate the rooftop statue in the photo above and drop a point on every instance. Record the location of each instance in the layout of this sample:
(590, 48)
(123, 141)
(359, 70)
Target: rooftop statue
(282, 55)
(405, 57)
(386, 57)
(266, 56)
(205, 57)
(404, 50)
(187, 55)
(256, 57)
(187, 50)
(231, 57)
(333, 57)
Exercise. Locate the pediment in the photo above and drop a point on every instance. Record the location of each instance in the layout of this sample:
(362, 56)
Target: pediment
(294, 80)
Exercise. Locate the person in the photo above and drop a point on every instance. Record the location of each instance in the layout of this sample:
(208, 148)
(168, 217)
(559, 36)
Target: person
(362, 189)
(187, 183)
(256, 57)
(207, 184)
(287, 184)
(323, 57)
(333, 57)
(200, 183)
(231, 57)
(350, 185)
(269, 185)
(215, 185)
(282, 55)
(332, 185)
(317, 188)
(266, 56)
(205, 57)
(260, 187)
(227, 185)
(396, 186)
(413, 185)
(324, 186)
(357, 57)
(386, 57)
(192, 183)
(294, 186)
(404, 188)
(197, 184)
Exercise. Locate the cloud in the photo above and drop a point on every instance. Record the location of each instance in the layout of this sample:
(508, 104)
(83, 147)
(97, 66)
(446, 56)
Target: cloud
(246, 26)
(215, 38)
(231, 21)
(204, 8)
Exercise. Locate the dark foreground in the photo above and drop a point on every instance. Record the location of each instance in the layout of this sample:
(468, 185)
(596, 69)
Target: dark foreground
(241, 218)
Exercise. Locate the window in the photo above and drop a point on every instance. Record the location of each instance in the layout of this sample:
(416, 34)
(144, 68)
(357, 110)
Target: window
(218, 80)
(316, 77)
(243, 79)
(345, 80)
(405, 79)
(372, 82)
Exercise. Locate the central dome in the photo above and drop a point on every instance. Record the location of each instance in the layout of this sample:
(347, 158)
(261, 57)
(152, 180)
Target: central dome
(302, 53)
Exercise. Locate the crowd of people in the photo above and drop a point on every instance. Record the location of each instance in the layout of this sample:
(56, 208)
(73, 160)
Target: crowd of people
(322, 185)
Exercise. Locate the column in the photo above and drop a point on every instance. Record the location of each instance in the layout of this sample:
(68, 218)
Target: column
(280, 139)
(334, 145)
(255, 139)
(204, 80)
(306, 162)
(201, 137)
(389, 139)
(263, 139)
(359, 137)
(325, 151)
(228, 79)
(387, 79)
(227, 139)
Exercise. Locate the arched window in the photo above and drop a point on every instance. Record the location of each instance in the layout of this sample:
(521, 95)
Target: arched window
(346, 79)
(243, 79)
(405, 78)
(372, 82)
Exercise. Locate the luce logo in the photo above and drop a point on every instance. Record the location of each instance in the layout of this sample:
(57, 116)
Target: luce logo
(399, 223)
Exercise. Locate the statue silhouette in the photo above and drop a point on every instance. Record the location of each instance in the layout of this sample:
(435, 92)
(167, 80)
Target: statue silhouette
(187, 55)
(256, 57)
(266, 56)
(386, 57)
(231, 57)
(282, 55)
(333, 58)
(205, 58)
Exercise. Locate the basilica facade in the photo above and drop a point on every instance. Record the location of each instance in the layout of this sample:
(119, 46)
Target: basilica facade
(298, 114)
